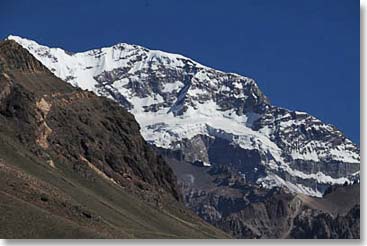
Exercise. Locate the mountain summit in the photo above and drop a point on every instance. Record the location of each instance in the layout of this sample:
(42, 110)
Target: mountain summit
(210, 118)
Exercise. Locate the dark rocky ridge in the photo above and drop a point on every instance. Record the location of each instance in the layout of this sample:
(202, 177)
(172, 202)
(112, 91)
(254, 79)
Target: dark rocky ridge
(82, 125)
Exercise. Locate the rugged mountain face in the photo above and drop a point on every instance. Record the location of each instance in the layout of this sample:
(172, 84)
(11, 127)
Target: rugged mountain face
(243, 164)
(211, 118)
(74, 165)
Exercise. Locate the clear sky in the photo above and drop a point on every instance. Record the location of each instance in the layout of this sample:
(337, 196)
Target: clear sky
(304, 54)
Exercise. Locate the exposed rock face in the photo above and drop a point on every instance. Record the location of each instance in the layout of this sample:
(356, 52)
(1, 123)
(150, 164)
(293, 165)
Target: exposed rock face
(43, 130)
(315, 224)
(251, 212)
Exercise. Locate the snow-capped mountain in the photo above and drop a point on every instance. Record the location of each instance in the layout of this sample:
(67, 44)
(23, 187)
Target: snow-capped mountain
(211, 117)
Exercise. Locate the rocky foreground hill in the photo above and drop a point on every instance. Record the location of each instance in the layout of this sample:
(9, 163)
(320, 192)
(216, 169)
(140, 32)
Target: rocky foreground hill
(74, 165)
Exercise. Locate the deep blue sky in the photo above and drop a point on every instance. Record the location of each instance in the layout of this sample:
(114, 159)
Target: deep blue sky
(304, 54)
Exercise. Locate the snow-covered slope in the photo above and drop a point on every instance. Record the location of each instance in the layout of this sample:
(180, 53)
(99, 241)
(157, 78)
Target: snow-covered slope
(185, 106)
